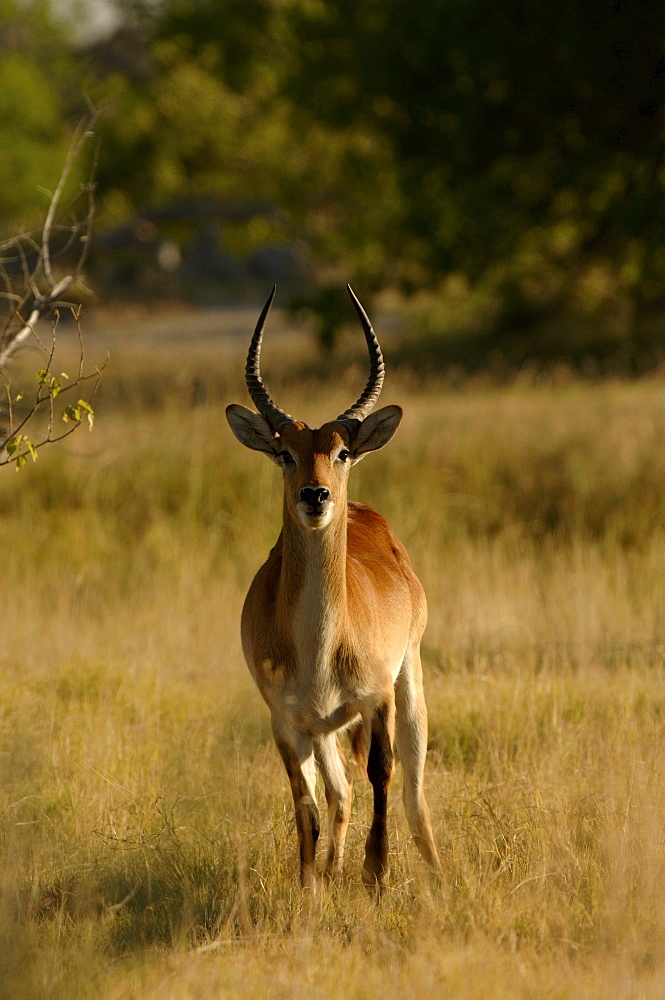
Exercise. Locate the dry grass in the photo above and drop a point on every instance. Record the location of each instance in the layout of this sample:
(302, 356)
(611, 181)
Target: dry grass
(147, 845)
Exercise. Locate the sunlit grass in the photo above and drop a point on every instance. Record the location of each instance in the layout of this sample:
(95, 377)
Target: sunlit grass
(147, 843)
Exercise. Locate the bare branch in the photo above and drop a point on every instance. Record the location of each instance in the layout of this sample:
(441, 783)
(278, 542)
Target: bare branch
(82, 133)
(29, 298)
(35, 302)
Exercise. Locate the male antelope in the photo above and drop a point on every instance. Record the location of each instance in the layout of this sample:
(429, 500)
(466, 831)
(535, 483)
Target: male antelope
(332, 623)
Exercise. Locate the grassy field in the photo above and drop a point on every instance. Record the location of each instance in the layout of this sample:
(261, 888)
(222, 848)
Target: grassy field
(147, 842)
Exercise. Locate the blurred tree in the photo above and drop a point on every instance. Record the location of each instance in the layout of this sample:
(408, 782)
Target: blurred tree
(519, 147)
(527, 140)
(35, 85)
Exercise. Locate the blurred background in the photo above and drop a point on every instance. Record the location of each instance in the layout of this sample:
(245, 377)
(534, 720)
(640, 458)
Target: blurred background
(493, 174)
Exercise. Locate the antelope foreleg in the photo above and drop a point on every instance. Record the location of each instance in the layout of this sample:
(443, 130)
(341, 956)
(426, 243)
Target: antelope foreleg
(298, 757)
(380, 766)
(336, 775)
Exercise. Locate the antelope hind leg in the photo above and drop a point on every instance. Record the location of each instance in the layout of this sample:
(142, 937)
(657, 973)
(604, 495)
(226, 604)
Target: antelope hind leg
(411, 743)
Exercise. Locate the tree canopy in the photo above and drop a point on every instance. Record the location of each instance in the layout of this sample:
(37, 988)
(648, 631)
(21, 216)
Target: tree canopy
(512, 153)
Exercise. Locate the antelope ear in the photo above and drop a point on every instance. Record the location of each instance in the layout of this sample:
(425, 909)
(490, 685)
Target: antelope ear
(251, 430)
(376, 430)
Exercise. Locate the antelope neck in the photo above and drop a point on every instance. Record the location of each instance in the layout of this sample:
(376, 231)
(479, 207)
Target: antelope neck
(313, 576)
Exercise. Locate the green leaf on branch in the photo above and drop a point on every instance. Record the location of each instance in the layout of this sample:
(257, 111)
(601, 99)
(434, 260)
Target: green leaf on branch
(76, 412)
(54, 383)
(72, 413)
(84, 405)
(16, 444)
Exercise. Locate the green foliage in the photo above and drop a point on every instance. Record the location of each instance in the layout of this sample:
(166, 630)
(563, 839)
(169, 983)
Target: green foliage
(518, 147)
(34, 140)
(515, 147)
(18, 445)
(35, 87)
(76, 411)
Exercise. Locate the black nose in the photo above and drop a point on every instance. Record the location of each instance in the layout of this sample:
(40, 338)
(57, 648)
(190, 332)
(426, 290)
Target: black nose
(313, 495)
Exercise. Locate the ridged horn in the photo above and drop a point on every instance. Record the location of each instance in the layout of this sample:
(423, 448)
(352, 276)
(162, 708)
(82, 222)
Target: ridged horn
(366, 402)
(271, 413)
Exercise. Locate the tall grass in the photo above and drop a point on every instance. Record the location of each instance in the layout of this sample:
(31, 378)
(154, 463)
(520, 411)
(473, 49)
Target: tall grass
(147, 844)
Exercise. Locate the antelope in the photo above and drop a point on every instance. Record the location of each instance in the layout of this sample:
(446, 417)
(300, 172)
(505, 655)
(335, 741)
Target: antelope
(332, 623)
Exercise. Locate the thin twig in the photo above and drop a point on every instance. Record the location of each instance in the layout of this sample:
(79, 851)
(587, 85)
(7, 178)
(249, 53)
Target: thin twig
(81, 134)
(34, 301)
(39, 294)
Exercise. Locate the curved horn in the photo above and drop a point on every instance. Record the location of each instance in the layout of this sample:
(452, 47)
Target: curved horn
(272, 414)
(366, 402)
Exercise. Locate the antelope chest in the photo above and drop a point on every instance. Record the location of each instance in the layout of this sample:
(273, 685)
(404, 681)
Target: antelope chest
(319, 692)
(320, 712)
(326, 694)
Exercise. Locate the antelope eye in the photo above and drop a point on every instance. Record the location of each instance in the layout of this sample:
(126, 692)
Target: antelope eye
(343, 455)
(286, 457)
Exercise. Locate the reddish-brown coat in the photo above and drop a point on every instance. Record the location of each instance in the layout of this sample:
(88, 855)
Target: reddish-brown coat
(331, 629)
(385, 606)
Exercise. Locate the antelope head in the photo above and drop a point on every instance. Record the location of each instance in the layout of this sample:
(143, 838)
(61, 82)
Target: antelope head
(315, 462)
